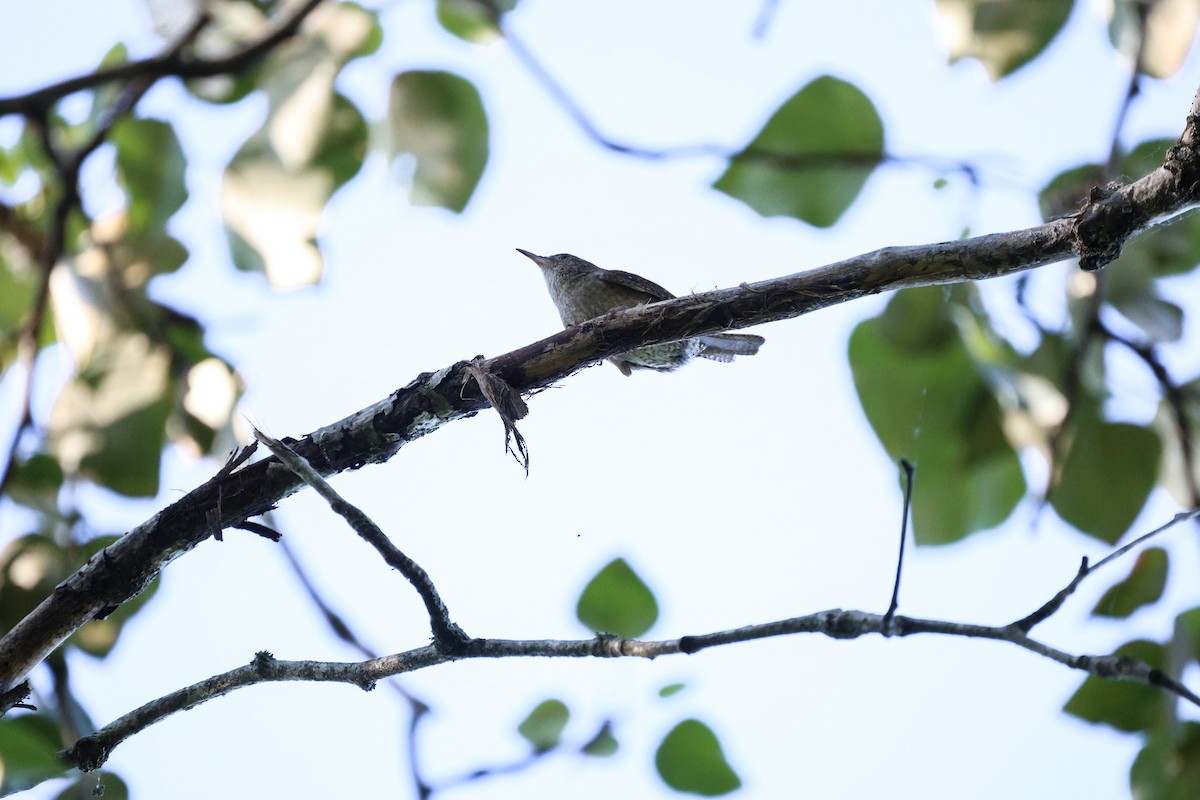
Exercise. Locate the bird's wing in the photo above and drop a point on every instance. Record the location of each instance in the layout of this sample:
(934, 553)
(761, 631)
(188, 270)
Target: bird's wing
(637, 283)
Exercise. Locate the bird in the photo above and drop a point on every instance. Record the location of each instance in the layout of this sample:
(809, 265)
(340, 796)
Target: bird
(582, 291)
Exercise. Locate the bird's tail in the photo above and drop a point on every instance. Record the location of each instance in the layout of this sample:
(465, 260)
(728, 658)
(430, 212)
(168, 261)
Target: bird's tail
(724, 346)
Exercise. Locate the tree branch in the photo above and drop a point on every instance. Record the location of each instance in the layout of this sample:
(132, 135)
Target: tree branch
(376, 433)
(446, 634)
(90, 752)
(172, 63)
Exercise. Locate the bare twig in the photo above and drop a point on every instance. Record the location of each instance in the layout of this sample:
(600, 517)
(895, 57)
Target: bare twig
(1053, 604)
(1141, 10)
(909, 474)
(781, 160)
(1176, 401)
(171, 63)
(446, 634)
(376, 433)
(90, 752)
(418, 708)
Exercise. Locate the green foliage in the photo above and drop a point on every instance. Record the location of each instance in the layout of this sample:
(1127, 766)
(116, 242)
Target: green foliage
(1124, 705)
(32, 565)
(1004, 36)
(1106, 476)
(544, 726)
(925, 394)
(812, 158)
(603, 744)
(617, 601)
(1143, 585)
(312, 141)
(28, 746)
(1168, 767)
(109, 421)
(473, 20)
(1169, 31)
(437, 120)
(35, 481)
(936, 380)
(151, 165)
(690, 759)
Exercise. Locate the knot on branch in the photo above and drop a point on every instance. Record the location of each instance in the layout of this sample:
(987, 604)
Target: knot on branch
(1106, 220)
(264, 663)
(1183, 162)
(608, 645)
(87, 754)
(839, 624)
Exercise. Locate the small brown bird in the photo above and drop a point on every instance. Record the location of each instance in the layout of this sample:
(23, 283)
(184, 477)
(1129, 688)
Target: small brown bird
(582, 291)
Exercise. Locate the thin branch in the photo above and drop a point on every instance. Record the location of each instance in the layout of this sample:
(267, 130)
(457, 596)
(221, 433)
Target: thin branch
(376, 433)
(1053, 604)
(446, 633)
(765, 15)
(781, 160)
(1141, 10)
(1177, 404)
(909, 474)
(171, 63)
(342, 630)
(54, 242)
(90, 752)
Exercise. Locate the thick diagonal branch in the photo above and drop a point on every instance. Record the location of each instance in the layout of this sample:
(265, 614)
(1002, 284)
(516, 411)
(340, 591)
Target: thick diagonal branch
(375, 433)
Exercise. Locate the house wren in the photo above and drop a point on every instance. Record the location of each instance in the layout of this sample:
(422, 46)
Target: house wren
(582, 291)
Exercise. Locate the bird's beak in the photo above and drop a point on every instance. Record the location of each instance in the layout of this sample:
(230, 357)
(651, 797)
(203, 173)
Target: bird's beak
(539, 260)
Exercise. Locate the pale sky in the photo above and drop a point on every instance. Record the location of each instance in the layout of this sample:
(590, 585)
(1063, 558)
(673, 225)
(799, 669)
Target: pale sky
(742, 493)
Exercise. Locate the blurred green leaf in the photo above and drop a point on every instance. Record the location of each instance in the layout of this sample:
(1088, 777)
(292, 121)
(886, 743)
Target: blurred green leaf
(272, 199)
(1004, 35)
(28, 748)
(35, 482)
(690, 759)
(30, 567)
(812, 157)
(1168, 767)
(1069, 190)
(1143, 585)
(312, 142)
(96, 784)
(1187, 624)
(670, 690)
(151, 167)
(1169, 32)
(603, 744)
(473, 20)
(1161, 320)
(927, 401)
(109, 420)
(1106, 476)
(17, 289)
(1124, 705)
(438, 121)
(544, 726)
(97, 637)
(617, 601)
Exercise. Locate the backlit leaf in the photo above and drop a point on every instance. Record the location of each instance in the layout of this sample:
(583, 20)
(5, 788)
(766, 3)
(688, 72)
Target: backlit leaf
(617, 601)
(544, 726)
(812, 157)
(438, 125)
(690, 759)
